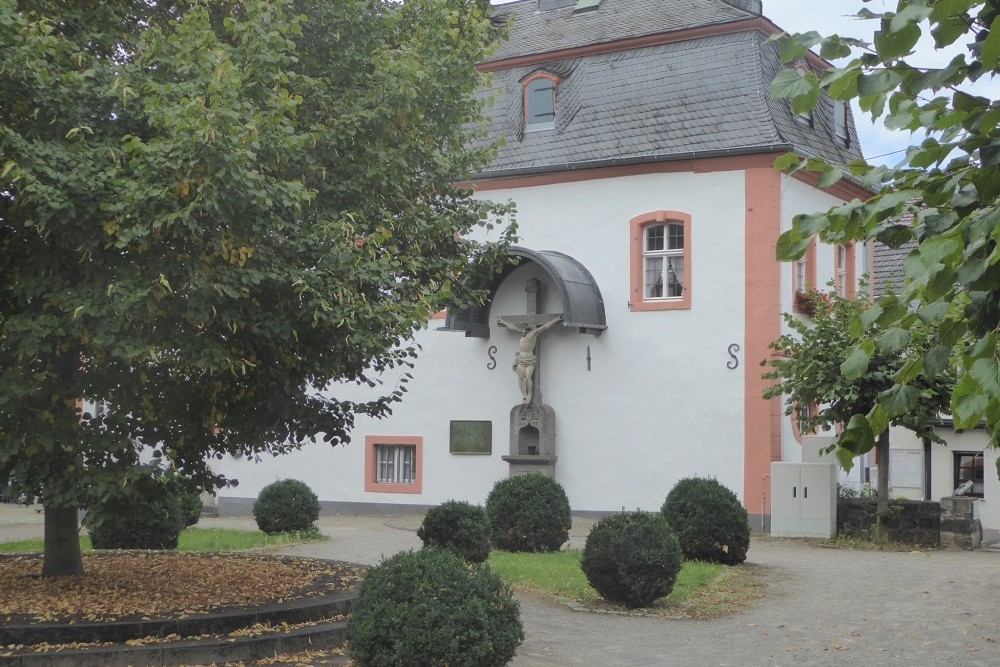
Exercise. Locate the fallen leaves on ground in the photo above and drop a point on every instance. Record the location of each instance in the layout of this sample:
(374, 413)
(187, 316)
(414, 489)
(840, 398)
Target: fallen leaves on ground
(129, 585)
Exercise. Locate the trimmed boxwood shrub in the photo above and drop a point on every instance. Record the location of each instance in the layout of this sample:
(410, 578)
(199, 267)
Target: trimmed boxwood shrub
(429, 608)
(285, 506)
(709, 521)
(145, 515)
(458, 527)
(632, 559)
(189, 497)
(528, 513)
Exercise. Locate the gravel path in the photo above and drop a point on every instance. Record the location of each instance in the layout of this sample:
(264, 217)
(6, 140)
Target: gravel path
(824, 606)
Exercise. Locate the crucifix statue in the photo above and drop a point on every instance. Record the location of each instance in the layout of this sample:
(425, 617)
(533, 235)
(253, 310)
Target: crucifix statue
(530, 327)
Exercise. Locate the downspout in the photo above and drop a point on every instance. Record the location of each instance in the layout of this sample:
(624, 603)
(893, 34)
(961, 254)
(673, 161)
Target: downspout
(927, 467)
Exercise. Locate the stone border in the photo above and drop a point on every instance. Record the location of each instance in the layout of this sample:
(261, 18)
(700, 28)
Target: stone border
(295, 611)
(190, 651)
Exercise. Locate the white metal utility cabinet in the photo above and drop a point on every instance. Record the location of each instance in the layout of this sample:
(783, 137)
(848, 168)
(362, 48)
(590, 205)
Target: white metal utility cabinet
(803, 500)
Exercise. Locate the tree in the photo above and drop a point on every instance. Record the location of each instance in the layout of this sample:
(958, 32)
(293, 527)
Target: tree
(949, 183)
(209, 212)
(815, 360)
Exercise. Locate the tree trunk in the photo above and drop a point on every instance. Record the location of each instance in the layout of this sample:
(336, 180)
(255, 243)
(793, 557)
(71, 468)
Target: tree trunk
(62, 543)
(881, 532)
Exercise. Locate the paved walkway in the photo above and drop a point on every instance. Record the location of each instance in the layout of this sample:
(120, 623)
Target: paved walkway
(825, 606)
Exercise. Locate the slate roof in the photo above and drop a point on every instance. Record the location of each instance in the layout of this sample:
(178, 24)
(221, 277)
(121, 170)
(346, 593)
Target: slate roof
(888, 267)
(543, 31)
(704, 96)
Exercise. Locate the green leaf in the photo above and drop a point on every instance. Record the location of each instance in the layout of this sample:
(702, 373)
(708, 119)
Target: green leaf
(910, 370)
(846, 458)
(856, 363)
(936, 360)
(858, 437)
(938, 249)
(878, 419)
(892, 43)
(987, 374)
(791, 245)
(791, 50)
(787, 161)
(879, 83)
(914, 12)
(968, 403)
(933, 312)
(870, 316)
(893, 340)
(941, 282)
(841, 84)
(803, 91)
(899, 400)
(830, 177)
(990, 53)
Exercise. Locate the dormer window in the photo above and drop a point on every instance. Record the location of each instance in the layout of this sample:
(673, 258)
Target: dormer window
(540, 101)
(840, 122)
(806, 117)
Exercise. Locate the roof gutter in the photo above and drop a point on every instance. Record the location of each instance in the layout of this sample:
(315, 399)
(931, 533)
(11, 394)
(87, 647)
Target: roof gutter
(627, 161)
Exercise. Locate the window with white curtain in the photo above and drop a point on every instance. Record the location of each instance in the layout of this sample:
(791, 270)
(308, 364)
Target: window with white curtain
(663, 261)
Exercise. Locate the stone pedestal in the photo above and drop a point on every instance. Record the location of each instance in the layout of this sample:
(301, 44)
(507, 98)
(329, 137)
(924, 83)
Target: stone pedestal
(960, 525)
(532, 440)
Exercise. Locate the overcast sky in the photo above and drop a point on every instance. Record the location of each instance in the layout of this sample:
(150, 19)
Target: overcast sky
(836, 17)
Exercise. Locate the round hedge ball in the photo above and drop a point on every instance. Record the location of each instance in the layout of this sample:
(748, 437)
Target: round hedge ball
(458, 527)
(632, 559)
(285, 506)
(528, 513)
(429, 608)
(709, 521)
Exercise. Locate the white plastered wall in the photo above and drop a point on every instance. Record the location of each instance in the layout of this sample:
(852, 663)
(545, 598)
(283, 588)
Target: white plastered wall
(799, 198)
(659, 402)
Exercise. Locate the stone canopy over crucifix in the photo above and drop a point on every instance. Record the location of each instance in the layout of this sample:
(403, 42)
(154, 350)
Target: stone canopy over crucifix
(530, 326)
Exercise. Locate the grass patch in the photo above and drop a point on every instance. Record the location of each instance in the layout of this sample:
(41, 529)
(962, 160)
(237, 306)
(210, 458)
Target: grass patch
(555, 574)
(197, 540)
(703, 590)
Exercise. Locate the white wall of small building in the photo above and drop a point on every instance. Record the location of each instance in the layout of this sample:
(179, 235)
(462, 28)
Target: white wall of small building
(904, 443)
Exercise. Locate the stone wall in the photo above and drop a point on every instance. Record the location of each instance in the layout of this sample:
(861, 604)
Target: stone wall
(910, 521)
(959, 527)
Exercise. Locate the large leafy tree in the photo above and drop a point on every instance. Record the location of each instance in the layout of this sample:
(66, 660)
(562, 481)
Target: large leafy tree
(825, 390)
(949, 183)
(209, 211)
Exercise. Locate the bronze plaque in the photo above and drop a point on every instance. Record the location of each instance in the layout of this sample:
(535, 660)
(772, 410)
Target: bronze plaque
(471, 437)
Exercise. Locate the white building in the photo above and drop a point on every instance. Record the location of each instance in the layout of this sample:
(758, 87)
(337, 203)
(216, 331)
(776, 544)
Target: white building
(640, 141)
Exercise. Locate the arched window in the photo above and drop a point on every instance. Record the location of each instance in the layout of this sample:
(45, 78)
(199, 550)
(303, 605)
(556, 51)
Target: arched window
(661, 261)
(844, 272)
(803, 279)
